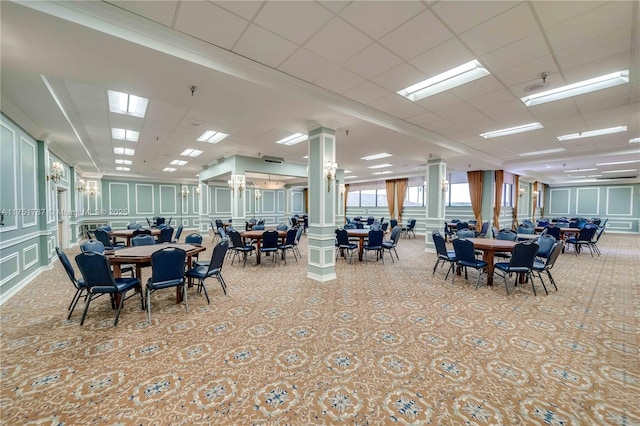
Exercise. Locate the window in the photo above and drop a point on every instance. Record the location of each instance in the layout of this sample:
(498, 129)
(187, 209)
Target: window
(371, 194)
(368, 198)
(459, 194)
(507, 195)
(415, 195)
(353, 199)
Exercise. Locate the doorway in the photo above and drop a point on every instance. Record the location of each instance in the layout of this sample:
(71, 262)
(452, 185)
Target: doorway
(62, 216)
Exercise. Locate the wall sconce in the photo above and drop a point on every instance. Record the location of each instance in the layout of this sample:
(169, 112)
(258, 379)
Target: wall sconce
(81, 185)
(236, 182)
(258, 194)
(445, 186)
(534, 194)
(185, 192)
(521, 192)
(330, 167)
(342, 191)
(198, 190)
(92, 188)
(56, 172)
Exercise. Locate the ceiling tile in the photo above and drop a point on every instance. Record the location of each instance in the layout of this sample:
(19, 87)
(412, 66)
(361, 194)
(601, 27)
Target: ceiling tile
(449, 54)
(398, 78)
(306, 65)
(389, 102)
(158, 11)
(478, 87)
(464, 15)
(596, 49)
(246, 9)
(407, 111)
(335, 5)
(552, 13)
(339, 80)
(522, 51)
(380, 17)
(529, 73)
(372, 61)
(434, 126)
(514, 111)
(418, 35)
(210, 23)
(492, 98)
(264, 46)
(590, 25)
(513, 25)
(366, 92)
(338, 41)
(425, 118)
(295, 21)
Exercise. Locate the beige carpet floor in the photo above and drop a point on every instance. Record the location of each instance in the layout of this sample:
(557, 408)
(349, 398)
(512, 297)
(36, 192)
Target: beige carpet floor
(381, 345)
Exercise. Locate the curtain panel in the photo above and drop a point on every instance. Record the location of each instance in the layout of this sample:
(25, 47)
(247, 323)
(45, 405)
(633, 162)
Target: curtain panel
(391, 196)
(346, 196)
(401, 190)
(475, 179)
(499, 176)
(514, 217)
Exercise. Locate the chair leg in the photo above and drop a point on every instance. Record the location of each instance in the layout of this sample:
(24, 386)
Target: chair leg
(86, 308)
(552, 280)
(449, 270)
(122, 297)
(184, 296)
(222, 283)
(202, 287)
(478, 278)
(506, 285)
(148, 306)
(436, 266)
(74, 302)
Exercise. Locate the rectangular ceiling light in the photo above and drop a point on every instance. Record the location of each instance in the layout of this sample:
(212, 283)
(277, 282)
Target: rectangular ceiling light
(350, 177)
(592, 133)
(455, 77)
(582, 87)
(634, 140)
(615, 163)
(191, 152)
(546, 151)
(293, 139)
(621, 171)
(123, 169)
(124, 103)
(380, 166)
(169, 169)
(125, 162)
(123, 151)
(347, 171)
(580, 170)
(211, 136)
(376, 156)
(178, 162)
(124, 134)
(386, 172)
(512, 130)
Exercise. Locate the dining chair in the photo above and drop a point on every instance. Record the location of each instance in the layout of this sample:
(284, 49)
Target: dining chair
(134, 226)
(297, 242)
(343, 244)
(166, 235)
(78, 283)
(466, 258)
(143, 240)
(539, 266)
(444, 255)
(374, 243)
(167, 270)
(392, 242)
(521, 263)
(288, 245)
(214, 269)
(95, 246)
(99, 279)
(102, 236)
(240, 247)
(176, 239)
(583, 238)
(270, 243)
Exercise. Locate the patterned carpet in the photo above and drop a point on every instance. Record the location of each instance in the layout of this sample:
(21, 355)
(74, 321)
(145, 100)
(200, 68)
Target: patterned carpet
(383, 344)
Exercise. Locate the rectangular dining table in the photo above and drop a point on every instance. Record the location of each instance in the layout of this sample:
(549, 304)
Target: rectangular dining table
(127, 234)
(257, 236)
(489, 247)
(141, 255)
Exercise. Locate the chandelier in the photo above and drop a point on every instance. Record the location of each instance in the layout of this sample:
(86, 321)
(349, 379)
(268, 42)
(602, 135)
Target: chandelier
(269, 184)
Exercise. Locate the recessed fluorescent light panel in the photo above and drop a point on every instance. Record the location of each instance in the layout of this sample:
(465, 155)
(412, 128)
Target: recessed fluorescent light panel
(580, 170)
(123, 151)
(293, 139)
(615, 163)
(123, 134)
(582, 87)
(125, 162)
(592, 133)
(386, 172)
(124, 103)
(350, 177)
(178, 162)
(512, 130)
(305, 157)
(169, 169)
(544, 152)
(376, 156)
(123, 169)
(455, 77)
(347, 172)
(191, 152)
(634, 140)
(380, 166)
(212, 136)
(621, 171)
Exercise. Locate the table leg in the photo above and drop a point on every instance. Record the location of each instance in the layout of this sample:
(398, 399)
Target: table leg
(487, 256)
(258, 251)
(361, 249)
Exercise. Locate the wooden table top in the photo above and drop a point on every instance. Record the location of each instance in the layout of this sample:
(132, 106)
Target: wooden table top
(129, 232)
(258, 234)
(141, 253)
(492, 244)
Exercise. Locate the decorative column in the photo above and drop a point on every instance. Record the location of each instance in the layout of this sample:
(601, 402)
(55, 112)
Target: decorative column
(288, 202)
(204, 207)
(237, 187)
(437, 191)
(322, 204)
(488, 200)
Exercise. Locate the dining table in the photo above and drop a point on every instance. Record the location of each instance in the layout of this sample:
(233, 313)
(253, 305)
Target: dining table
(563, 231)
(362, 235)
(256, 235)
(140, 256)
(489, 247)
(127, 234)
(454, 226)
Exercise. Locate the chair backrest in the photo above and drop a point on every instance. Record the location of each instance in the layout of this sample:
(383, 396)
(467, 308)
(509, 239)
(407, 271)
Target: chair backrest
(106, 228)
(270, 239)
(143, 240)
(342, 237)
(395, 234)
(193, 239)
(291, 237)
(523, 229)
(159, 220)
(438, 241)
(351, 225)
(524, 254)
(375, 238)
(236, 239)
(166, 235)
(222, 233)
(545, 245)
(281, 227)
(464, 249)
(162, 226)
(103, 237)
(67, 266)
(385, 226)
(587, 233)
(554, 231)
(494, 232)
(553, 255)
(507, 234)
(359, 225)
(134, 226)
(370, 220)
(92, 246)
(95, 270)
(599, 232)
(179, 232)
(412, 224)
(466, 233)
(219, 224)
(375, 226)
(462, 225)
(393, 223)
(167, 264)
(219, 253)
(141, 232)
(148, 222)
(294, 221)
(258, 227)
(484, 229)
